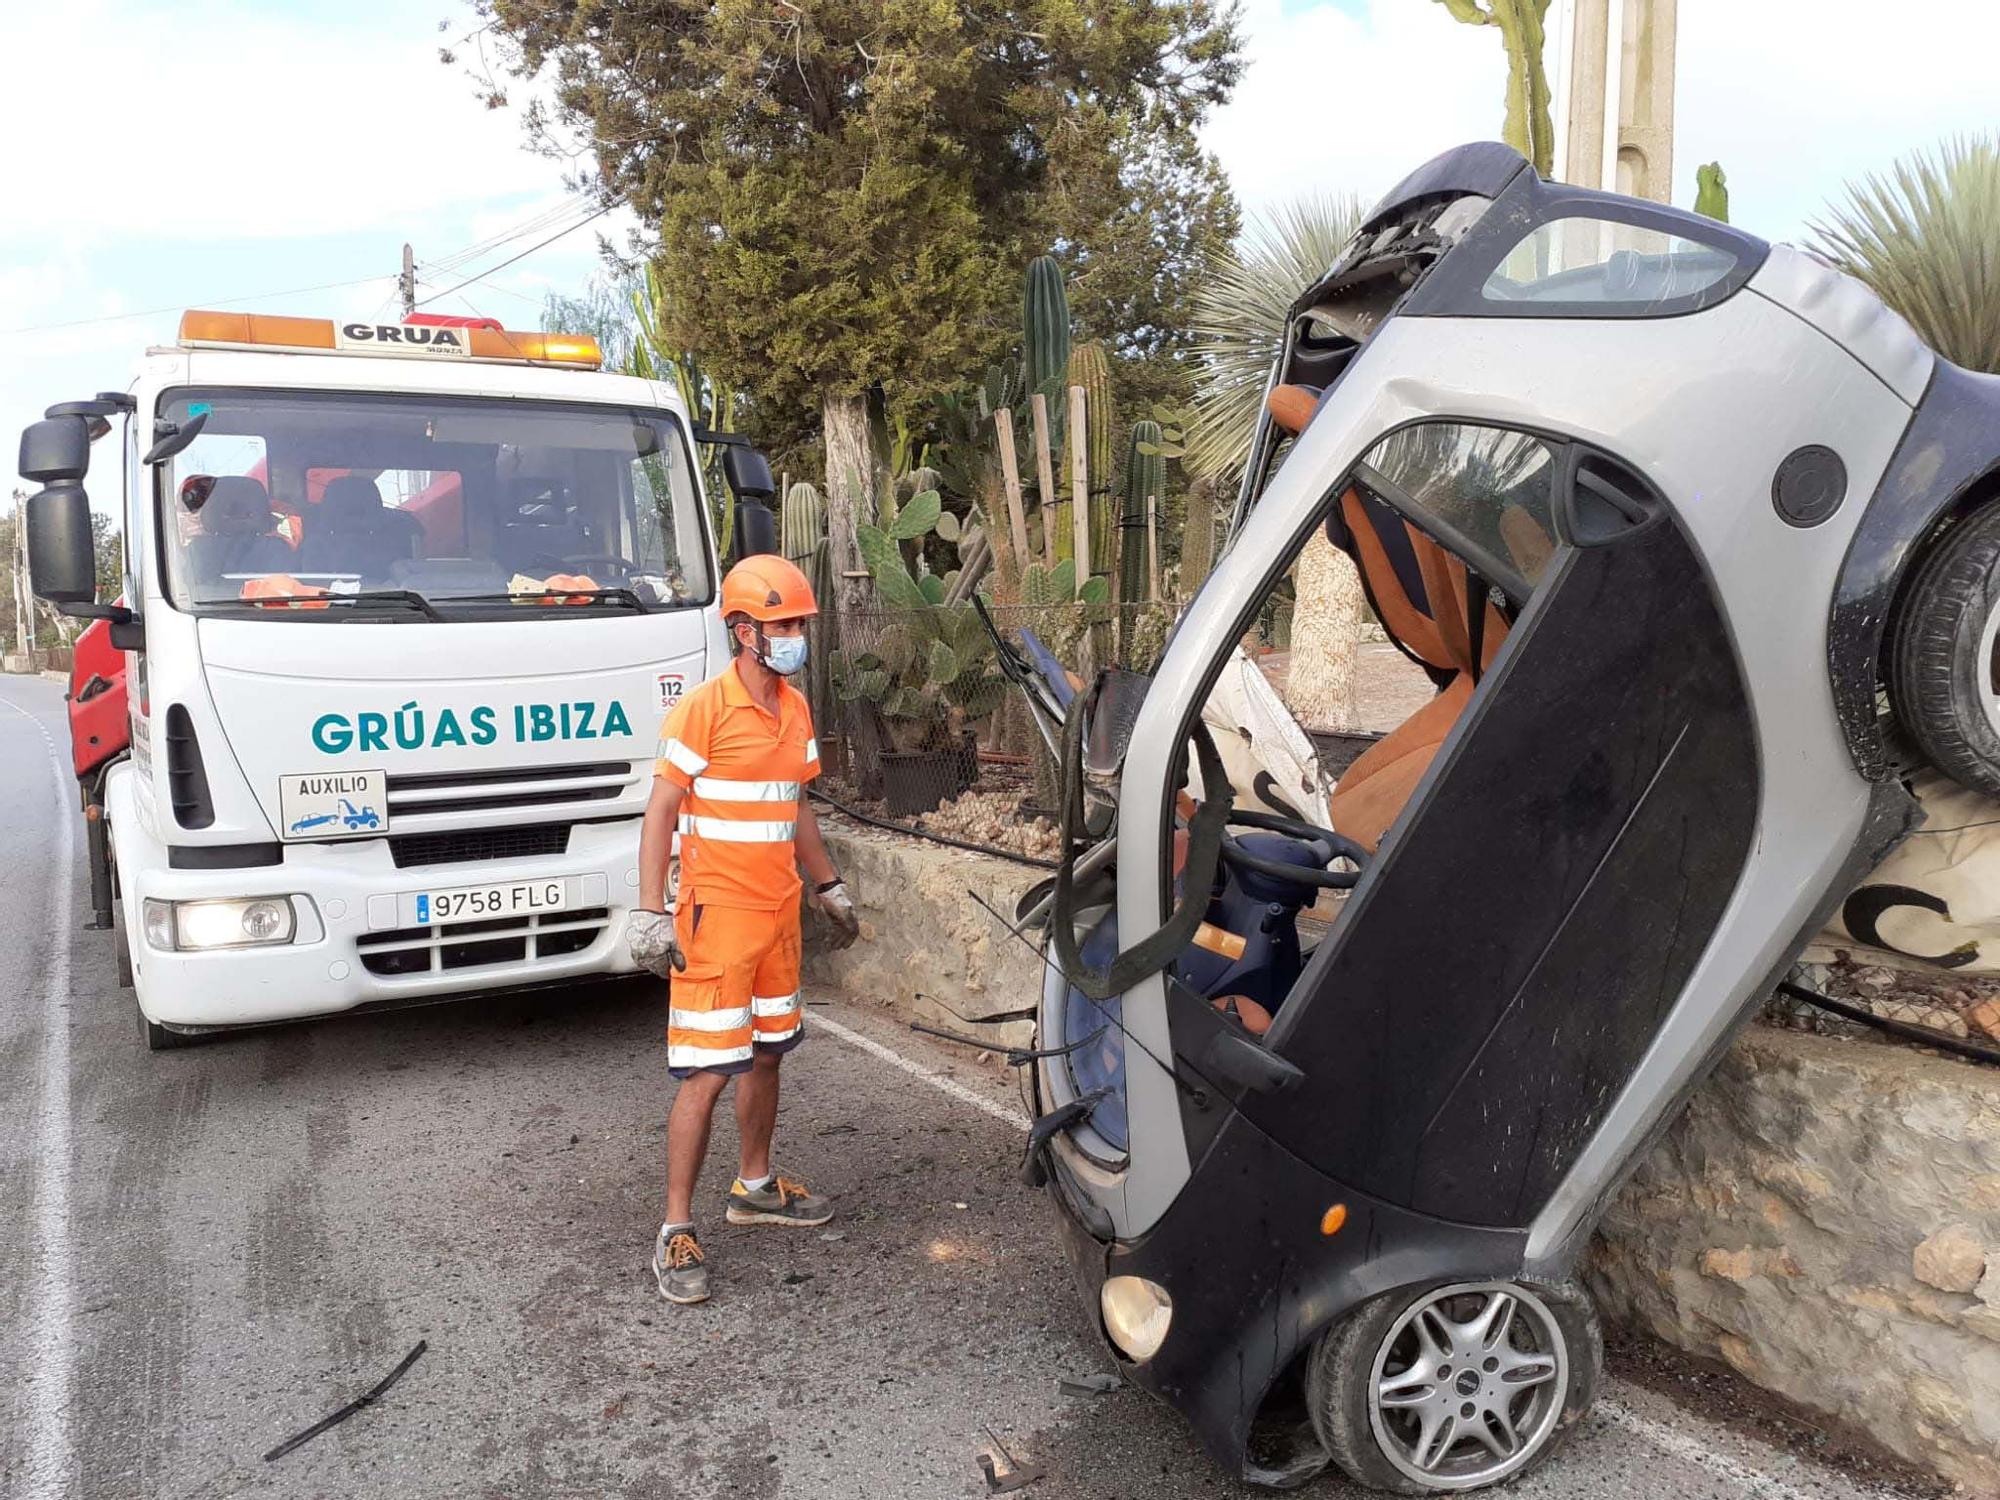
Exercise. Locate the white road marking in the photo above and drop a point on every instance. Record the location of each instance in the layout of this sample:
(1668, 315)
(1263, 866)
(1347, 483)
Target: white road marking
(1668, 1440)
(942, 1082)
(52, 1296)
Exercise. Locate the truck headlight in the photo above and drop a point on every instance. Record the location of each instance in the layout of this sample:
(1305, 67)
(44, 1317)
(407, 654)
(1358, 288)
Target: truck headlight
(1136, 1315)
(193, 926)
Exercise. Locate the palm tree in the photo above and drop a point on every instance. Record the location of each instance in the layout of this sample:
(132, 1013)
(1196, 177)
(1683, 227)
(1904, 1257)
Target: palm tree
(1926, 240)
(1239, 322)
(1239, 319)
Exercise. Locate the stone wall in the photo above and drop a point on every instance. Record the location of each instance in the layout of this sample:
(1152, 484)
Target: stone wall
(1825, 1216)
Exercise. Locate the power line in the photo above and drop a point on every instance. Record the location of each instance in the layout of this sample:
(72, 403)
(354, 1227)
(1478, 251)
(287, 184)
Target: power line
(153, 312)
(522, 255)
(542, 220)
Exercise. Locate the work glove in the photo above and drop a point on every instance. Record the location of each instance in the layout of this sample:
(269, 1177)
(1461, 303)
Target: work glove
(650, 935)
(838, 908)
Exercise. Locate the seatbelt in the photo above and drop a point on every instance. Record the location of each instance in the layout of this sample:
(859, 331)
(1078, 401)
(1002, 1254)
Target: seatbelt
(1154, 952)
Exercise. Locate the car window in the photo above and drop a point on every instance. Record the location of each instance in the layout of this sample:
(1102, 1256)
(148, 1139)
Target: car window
(1619, 269)
(1488, 488)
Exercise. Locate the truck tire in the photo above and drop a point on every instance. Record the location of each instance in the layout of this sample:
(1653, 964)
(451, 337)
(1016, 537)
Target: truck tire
(159, 1038)
(121, 947)
(1455, 1387)
(1944, 678)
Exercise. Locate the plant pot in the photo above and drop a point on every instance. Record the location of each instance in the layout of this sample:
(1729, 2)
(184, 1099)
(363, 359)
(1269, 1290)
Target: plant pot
(965, 758)
(916, 781)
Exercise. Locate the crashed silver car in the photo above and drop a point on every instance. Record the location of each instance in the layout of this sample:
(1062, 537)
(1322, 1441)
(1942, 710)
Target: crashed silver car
(1693, 536)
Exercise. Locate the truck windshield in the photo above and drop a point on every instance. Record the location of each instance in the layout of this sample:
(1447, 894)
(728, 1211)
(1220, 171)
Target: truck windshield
(417, 501)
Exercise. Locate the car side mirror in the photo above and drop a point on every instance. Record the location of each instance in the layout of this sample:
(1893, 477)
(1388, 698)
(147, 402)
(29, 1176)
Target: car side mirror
(61, 563)
(748, 473)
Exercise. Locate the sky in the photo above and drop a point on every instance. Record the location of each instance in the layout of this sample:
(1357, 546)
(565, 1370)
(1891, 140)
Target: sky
(275, 155)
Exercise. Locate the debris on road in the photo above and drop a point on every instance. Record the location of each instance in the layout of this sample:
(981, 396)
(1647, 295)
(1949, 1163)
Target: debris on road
(1018, 1475)
(1095, 1384)
(369, 1398)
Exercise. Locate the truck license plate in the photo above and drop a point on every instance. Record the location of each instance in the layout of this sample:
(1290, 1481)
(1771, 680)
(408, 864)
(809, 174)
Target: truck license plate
(483, 903)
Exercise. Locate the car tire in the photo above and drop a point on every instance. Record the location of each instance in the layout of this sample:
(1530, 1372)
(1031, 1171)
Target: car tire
(1944, 680)
(1371, 1418)
(120, 944)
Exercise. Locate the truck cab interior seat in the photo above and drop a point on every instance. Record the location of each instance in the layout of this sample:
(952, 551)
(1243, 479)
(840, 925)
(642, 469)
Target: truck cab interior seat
(236, 536)
(350, 530)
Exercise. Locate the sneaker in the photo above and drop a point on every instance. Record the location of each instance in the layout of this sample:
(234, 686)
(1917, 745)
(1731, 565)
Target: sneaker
(779, 1201)
(677, 1266)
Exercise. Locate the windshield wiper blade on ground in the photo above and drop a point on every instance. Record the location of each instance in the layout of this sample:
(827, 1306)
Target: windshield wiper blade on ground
(408, 598)
(617, 594)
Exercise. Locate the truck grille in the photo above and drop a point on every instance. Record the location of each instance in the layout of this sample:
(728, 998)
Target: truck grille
(475, 945)
(470, 844)
(499, 790)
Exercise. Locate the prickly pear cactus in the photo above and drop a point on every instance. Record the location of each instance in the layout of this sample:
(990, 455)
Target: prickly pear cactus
(801, 522)
(1711, 195)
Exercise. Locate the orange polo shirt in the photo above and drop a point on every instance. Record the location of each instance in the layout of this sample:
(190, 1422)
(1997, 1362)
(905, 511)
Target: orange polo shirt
(744, 771)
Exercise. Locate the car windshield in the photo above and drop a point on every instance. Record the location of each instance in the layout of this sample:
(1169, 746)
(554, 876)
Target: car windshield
(289, 503)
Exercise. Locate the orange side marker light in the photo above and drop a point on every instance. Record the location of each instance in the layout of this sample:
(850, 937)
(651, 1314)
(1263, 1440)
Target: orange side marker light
(1331, 1221)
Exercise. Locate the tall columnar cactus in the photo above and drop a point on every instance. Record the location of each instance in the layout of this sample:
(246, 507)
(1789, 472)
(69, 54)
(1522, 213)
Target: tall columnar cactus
(801, 522)
(1045, 327)
(1529, 127)
(1090, 368)
(1145, 475)
(1198, 538)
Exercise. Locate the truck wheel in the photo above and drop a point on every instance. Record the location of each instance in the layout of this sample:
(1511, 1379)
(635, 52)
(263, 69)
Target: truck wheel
(1454, 1387)
(159, 1038)
(1944, 656)
(122, 947)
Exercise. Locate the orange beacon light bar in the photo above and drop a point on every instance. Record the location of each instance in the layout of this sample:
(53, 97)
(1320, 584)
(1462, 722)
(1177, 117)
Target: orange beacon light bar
(402, 340)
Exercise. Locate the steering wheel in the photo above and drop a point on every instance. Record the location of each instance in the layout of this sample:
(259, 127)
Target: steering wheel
(585, 563)
(1324, 841)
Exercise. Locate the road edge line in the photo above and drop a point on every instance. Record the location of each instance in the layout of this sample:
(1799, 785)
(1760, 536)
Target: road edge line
(940, 1081)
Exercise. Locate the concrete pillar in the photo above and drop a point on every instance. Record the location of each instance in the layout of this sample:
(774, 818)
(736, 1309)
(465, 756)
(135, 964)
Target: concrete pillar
(1615, 95)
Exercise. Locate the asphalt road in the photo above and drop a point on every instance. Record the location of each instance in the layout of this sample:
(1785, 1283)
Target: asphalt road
(208, 1250)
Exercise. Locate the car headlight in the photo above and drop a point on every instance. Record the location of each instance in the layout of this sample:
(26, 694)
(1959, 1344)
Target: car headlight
(1136, 1315)
(193, 926)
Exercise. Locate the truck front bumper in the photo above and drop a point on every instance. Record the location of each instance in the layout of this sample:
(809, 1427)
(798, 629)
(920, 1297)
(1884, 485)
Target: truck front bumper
(349, 950)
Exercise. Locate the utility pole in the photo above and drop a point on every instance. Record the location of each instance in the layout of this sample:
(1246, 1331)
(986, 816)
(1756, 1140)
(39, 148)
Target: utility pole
(24, 594)
(1614, 95)
(407, 282)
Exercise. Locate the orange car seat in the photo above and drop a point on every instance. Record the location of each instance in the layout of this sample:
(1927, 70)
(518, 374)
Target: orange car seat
(1434, 627)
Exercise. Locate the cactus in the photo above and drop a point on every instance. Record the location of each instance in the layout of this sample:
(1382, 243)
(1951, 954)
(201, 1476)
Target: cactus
(801, 522)
(1711, 194)
(1198, 538)
(1145, 474)
(1529, 127)
(1089, 368)
(1045, 327)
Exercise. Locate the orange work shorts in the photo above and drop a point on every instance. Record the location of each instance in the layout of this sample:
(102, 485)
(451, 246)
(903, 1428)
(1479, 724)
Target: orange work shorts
(739, 994)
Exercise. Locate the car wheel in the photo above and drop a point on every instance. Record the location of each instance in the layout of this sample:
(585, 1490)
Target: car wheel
(1455, 1387)
(1944, 658)
(159, 1038)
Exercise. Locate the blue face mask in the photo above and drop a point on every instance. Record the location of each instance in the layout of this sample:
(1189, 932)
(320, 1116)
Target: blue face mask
(784, 654)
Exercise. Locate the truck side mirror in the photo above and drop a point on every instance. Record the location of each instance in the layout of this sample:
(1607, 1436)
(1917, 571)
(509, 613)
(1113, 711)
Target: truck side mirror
(61, 563)
(55, 450)
(748, 473)
(756, 530)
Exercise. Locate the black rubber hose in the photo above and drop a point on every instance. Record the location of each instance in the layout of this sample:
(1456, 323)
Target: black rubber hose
(1963, 1047)
(918, 833)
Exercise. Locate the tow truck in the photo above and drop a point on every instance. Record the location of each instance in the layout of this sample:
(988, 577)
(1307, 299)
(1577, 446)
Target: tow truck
(402, 608)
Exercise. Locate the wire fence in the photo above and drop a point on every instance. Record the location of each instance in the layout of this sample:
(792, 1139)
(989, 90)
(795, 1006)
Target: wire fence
(919, 730)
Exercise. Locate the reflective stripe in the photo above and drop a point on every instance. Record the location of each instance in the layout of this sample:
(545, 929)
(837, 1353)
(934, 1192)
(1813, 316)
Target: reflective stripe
(705, 1057)
(727, 831)
(726, 789)
(812, 752)
(733, 1019)
(774, 1005)
(682, 759)
(767, 1037)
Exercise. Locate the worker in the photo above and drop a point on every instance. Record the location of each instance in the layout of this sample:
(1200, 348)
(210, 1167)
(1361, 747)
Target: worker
(729, 801)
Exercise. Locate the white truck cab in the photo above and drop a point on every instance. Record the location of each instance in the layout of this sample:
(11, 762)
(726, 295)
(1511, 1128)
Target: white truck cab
(404, 605)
